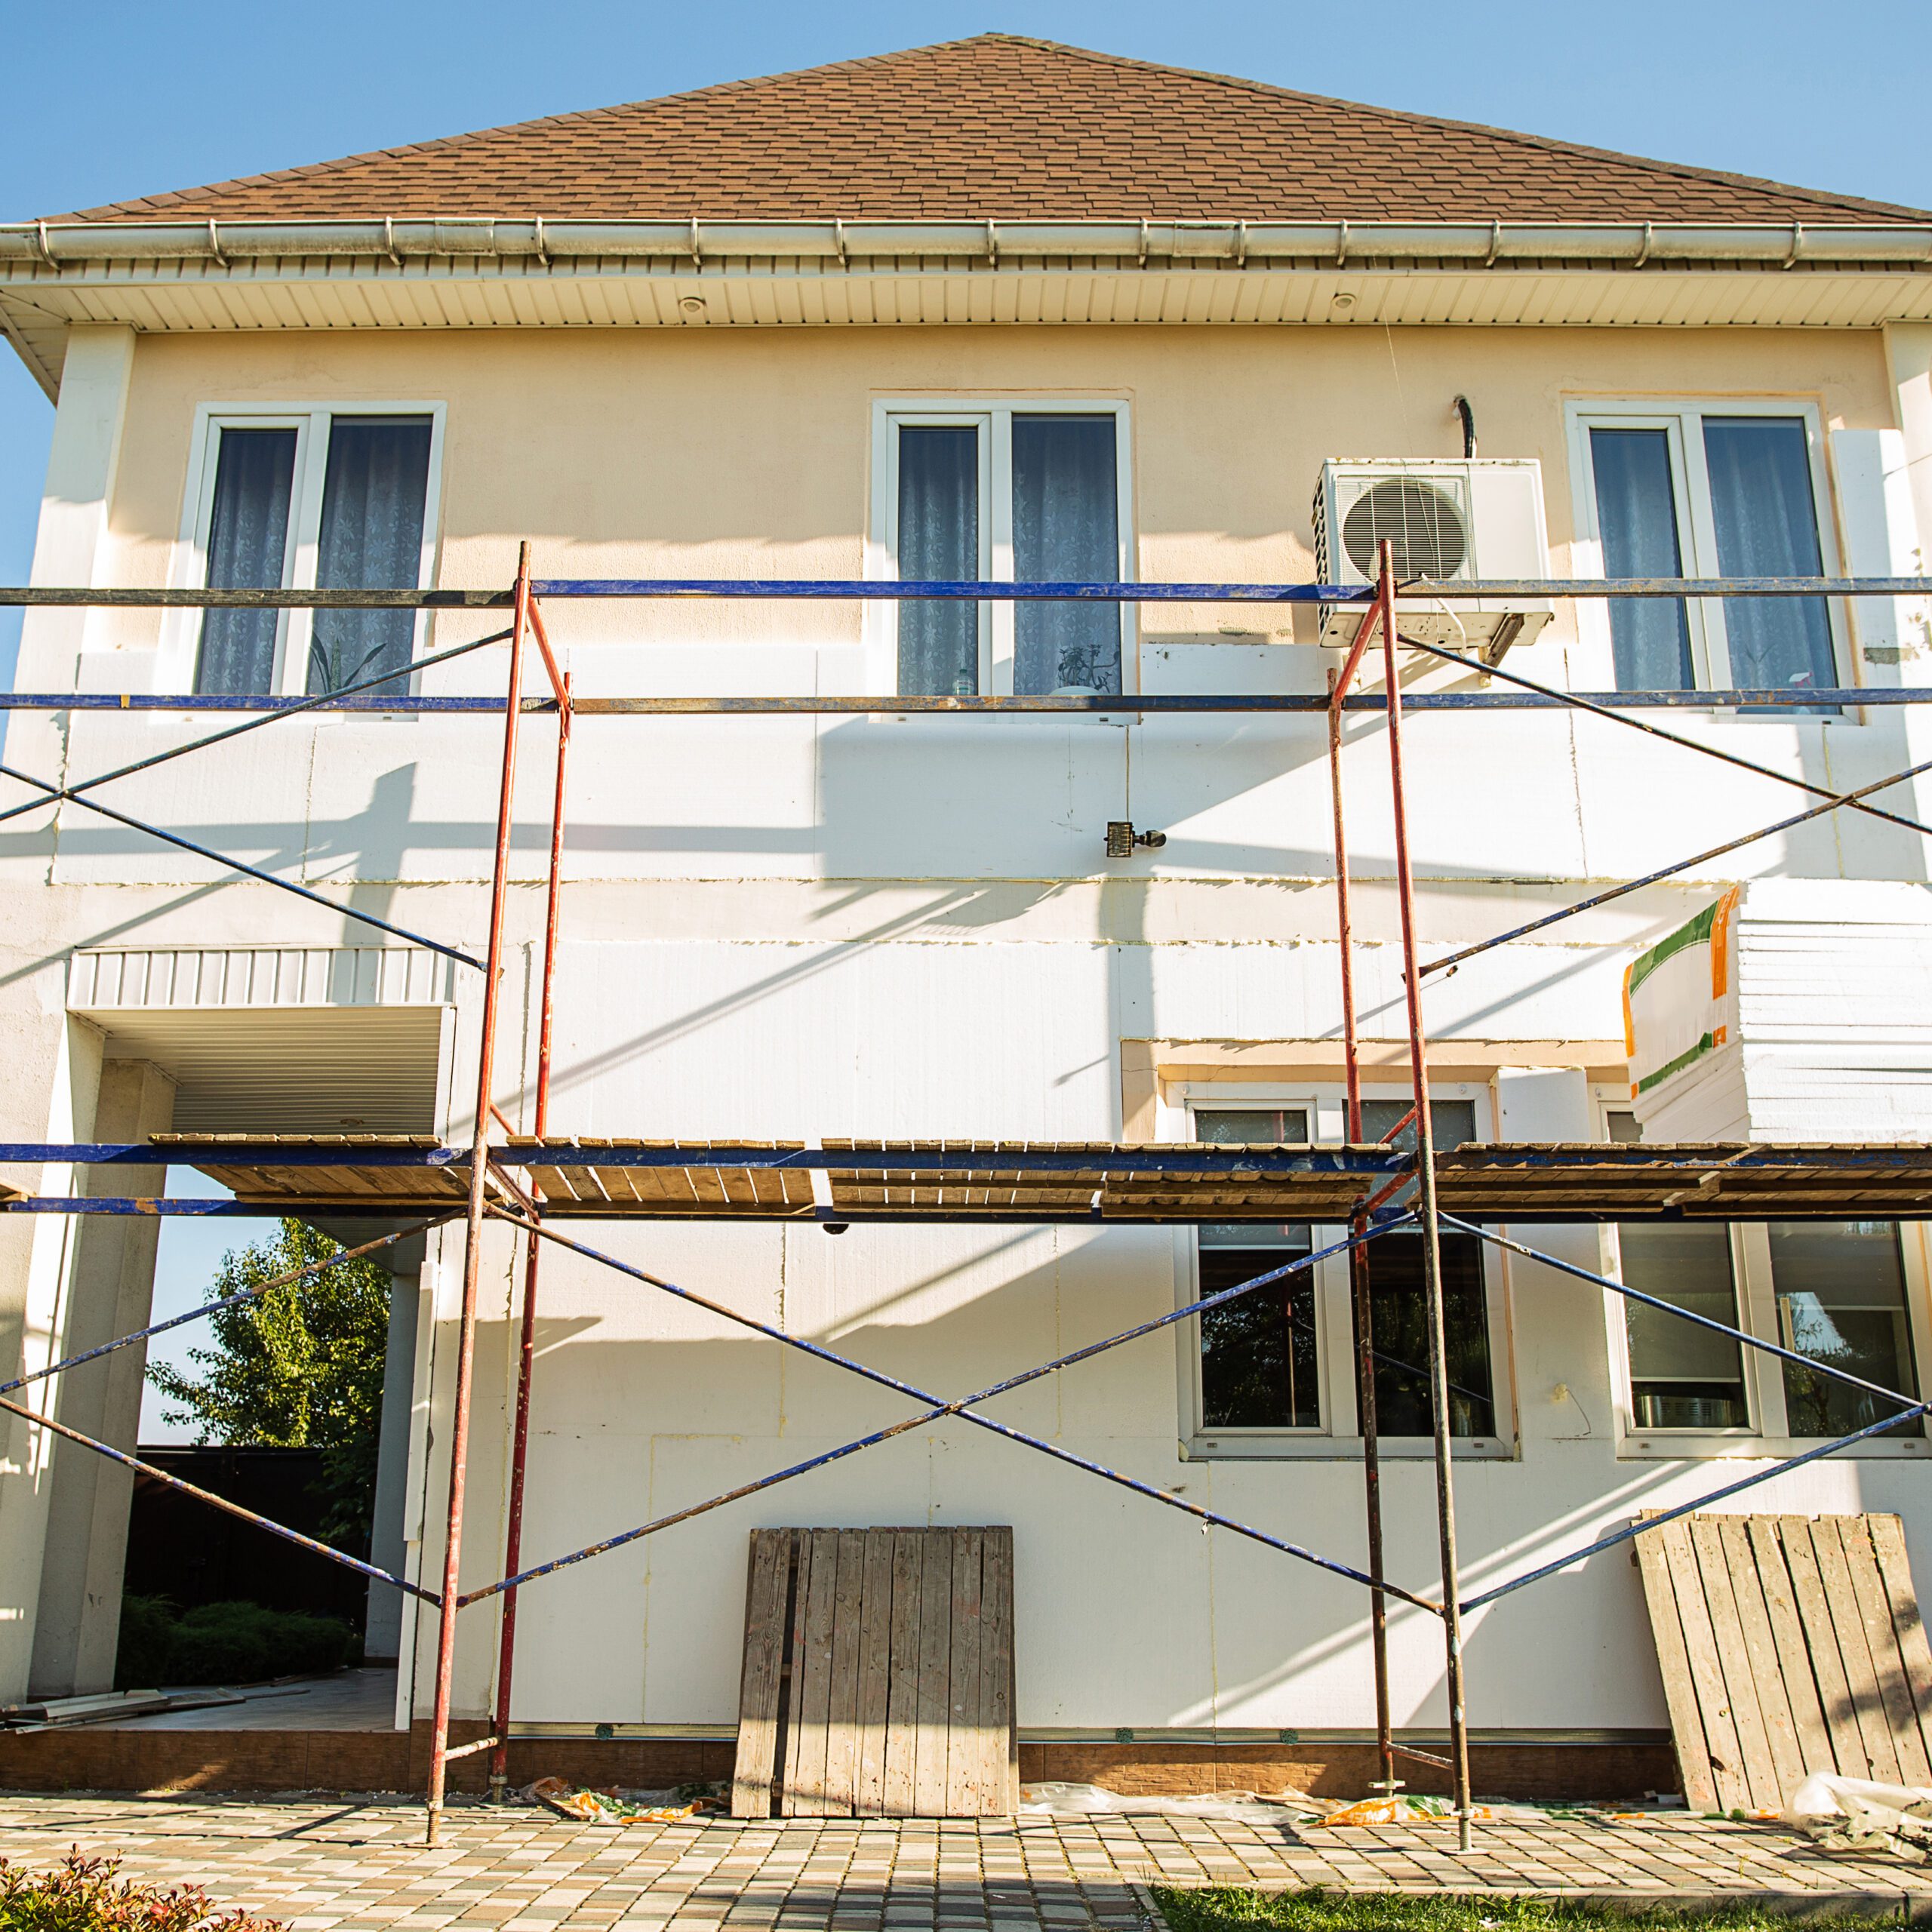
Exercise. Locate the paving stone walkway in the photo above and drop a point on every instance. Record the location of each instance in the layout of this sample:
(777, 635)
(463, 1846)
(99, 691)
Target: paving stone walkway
(321, 1864)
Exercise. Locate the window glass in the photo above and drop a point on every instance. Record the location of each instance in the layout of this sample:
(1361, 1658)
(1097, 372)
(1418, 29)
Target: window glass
(371, 539)
(1259, 1365)
(1841, 1300)
(939, 542)
(248, 550)
(1766, 524)
(1637, 519)
(1065, 529)
(1454, 1122)
(1682, 1377)
(1398, 1310)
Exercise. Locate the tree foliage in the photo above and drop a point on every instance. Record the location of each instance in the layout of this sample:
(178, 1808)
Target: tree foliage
(299, 1366)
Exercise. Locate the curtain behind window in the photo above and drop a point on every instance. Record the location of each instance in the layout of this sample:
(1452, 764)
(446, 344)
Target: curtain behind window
(1767, 523)
(1637, 520)
(248, 548)
(1065, 529)
(371, 540)
(938, 543)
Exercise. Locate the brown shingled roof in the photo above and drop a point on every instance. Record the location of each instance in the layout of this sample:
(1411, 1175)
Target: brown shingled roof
(1005, 128)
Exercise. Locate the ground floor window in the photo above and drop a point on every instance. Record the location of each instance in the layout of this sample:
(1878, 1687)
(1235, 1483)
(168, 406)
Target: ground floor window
(1850, 1295)
(1277, 1365)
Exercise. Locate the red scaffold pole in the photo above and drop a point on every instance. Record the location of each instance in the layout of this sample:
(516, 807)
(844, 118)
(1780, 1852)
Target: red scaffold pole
(473, 1246)
(1426, 1212)
(533, 1247)
(1358, 1264)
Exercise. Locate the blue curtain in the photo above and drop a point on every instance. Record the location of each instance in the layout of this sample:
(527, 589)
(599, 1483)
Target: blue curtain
(1065, 529)
(1637, 518)
(1768, 526)
(371, 539)
(938, 543)
(248, 545)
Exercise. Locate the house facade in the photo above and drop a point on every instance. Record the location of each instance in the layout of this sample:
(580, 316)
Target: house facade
(993, 309)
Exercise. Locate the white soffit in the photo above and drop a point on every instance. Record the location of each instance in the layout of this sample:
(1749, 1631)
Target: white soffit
(267, 1041)
(40, 300)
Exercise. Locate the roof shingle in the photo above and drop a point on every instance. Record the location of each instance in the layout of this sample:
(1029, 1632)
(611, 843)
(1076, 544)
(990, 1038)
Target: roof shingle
(1005, 128)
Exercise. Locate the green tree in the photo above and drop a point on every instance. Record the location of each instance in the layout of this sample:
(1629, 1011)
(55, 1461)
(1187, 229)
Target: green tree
(299, 1366)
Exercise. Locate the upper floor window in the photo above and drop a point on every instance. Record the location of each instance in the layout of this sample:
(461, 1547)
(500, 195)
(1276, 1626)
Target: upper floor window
(1709, 489)
(1002, 493)
(310, 499)
(1279, 1363)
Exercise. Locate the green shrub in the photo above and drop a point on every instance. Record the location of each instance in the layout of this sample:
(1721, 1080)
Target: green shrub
(147, 1624)
(83, 1895)
(225, 1643)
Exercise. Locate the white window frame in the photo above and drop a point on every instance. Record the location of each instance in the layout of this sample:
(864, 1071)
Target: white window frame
(992, 417)
(181, 636)
(1681, 418)
(1339, 1436)
(1768, 1432)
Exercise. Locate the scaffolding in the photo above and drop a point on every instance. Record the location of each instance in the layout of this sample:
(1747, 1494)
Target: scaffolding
(528, 1184)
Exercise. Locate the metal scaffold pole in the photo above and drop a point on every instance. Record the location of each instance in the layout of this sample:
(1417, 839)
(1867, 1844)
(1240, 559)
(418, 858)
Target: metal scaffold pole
(1358, 1261)
(1426, 1212)
(533, 1249)
(473, 1246)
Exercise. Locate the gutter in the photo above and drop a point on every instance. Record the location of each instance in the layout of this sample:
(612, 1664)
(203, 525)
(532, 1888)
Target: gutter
(1336, 244)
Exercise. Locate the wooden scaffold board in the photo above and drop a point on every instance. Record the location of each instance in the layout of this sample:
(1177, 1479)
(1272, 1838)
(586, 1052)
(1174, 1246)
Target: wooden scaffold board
(877, 1675)
(1788, 1645)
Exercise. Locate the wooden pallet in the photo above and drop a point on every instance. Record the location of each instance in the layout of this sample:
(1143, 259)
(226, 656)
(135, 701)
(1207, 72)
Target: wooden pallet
(877, 1675)
(1789, 1644)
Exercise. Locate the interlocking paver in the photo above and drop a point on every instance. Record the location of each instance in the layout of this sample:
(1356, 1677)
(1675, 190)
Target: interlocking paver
(331, 1864)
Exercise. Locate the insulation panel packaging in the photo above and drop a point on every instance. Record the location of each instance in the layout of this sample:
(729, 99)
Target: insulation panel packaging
(1787, 1010)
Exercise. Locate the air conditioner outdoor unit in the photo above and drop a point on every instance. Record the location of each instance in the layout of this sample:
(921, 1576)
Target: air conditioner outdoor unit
(1451, 520)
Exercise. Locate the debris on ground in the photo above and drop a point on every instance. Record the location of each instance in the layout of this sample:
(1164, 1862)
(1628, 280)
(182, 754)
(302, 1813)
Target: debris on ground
(1854, 1814)
(608, 1805)
(1408, 1810)
(1073, 1800)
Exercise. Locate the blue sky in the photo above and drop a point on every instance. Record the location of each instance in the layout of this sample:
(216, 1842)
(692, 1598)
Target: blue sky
(119, 99)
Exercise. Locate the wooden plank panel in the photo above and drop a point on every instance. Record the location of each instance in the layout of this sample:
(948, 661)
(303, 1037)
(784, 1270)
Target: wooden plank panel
(1867, 1709)
(766, 1587)
(1875, 1612)
(902, 1728)
(874, 1673)
(811, 1674)
(842, 1734)
(1794, 1655)
(966, 1781)
(1740, 1683)
(935, 1673)
(996, 1656)
(1827, 1665)
(1761, 1653)
(1700, 1644)
(1887, 1536)
(1680, 1691)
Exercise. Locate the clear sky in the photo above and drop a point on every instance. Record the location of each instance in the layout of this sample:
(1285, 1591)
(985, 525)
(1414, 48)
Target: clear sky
(113, 99)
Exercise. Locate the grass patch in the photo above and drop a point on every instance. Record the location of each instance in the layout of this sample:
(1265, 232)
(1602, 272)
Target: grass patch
(1236, 1909)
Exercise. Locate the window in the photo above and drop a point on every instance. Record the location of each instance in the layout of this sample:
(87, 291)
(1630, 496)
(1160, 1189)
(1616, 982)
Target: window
(1280, 1362)
(1840, 1292)
(1004, 493)
(302, 498)
(1716, 489)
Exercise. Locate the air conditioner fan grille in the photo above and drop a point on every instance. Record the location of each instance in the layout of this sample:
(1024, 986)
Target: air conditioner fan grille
(1422, 523)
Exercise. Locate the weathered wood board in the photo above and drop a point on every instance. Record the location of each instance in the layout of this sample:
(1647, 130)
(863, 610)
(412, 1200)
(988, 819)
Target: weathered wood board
(1788, 1645)
(878, 1677)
